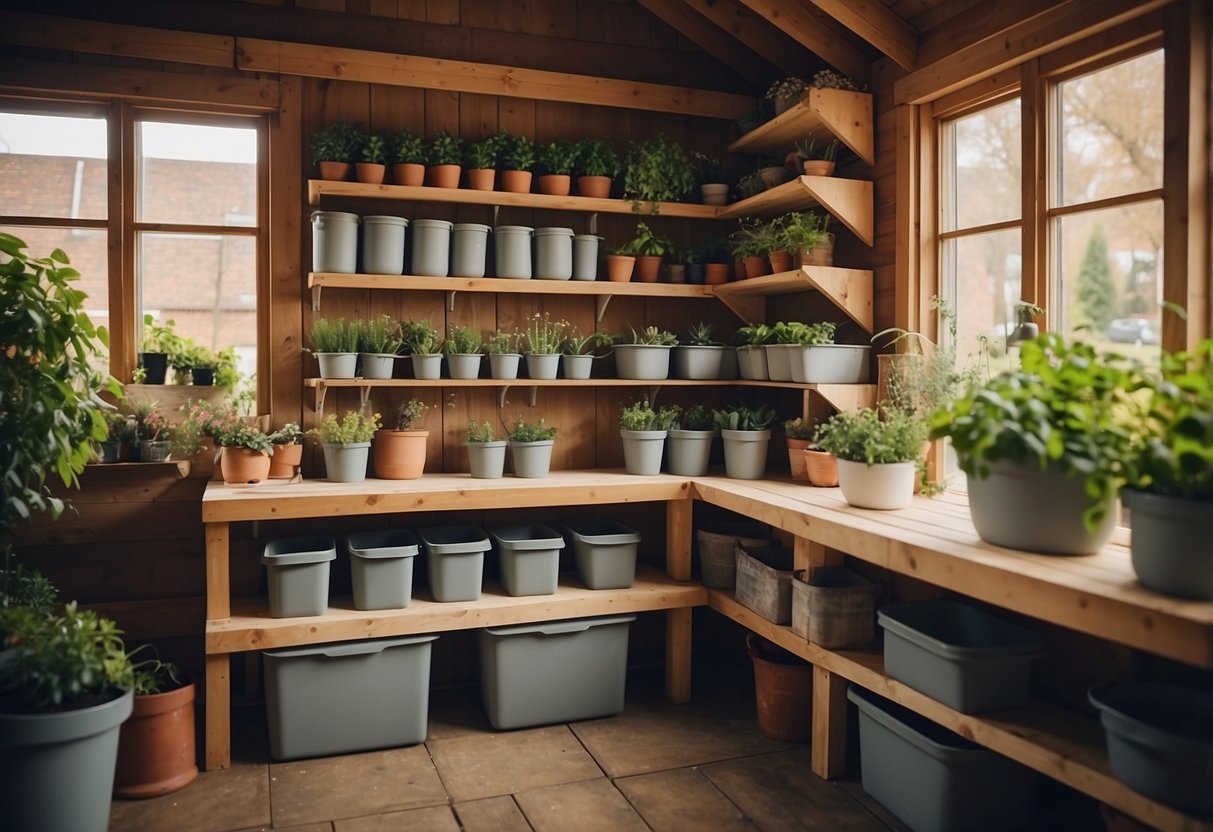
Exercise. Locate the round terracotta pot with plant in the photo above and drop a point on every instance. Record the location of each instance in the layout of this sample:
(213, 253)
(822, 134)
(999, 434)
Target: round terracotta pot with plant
(399, 454)
(619, 268)
(245, 457)
(596, 165)
(821, 467)
(156, 745)
(288, 451)
(406, 153)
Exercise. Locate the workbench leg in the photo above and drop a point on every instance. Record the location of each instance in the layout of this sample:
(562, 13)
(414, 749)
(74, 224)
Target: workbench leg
(829, 724)
(218, 584)
(809, 554)
(678, 539)
(678, 655)
(218, 712)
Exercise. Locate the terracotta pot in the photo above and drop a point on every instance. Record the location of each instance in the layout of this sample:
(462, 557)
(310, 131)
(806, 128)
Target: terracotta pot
(822, 255)
(715, 273)
(156, 745)
(598, 187)
(796, 458)
(555, 184)
(370, 173)
(781, 260)
(619, 267)
(241, 466)
(739, 270)
(648, 268)
(516, 181)
(818, 167)
(481, 179)
(399, 454)
(821, 468)
(793, 160)
(408, 173)
(756, 267)
(444, 176)
(285, 460)
(335, 171)
(775, 176)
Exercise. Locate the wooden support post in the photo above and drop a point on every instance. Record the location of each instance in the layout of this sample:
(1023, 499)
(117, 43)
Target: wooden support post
(218, 712)
(808, 554)
(678, 539)
(678, 655)
(829, 744)
(218, 589)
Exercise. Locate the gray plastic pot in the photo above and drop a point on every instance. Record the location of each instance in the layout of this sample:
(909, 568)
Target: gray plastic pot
(337, 364)
(745, 453)
(697, 362)
(530, 558)
(469, 249)
(689, 452)
(346, 463)
(577, 366)
(752, 363)
(486, 460)
(377, 365)
(779, 361)
(504, 365)
(553, 253)
(512, 245)
(642, 451)
(297, 575)
(1170, 542)
(381, 568)
(542, 365)
(829, 363)
(57, 769)
(585, 256)
(383, 244)
(455, 557)
(431, 249)
(649, 362)
(463, 366)
(334, 242)
(532, 460)
(427, 366)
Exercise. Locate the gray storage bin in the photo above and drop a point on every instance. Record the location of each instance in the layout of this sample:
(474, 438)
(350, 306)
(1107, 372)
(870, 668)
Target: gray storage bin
(530, 558)
(967, 659)
(347, 696)
(455, 560)
(297, 572)
(381, 568)
(604, 551)
(555, 671)
(933, 779)
(764, 581)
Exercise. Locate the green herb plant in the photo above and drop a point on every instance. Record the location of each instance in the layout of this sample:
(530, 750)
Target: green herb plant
(334, 335)
(803, 230)
(409, 414)
(743, 417)
(517, 153)
(374, 150)
(641, 416)
(699, 335)
(523, 431)
(420, 338)
(481, 432)
(596, 157)
(379, 336)
(482, 155)
(654, 337)
(502, 343)
(575, 343)
(558, 157)
(543, 335)
(444, 149)
(696, 417)
(708, 171)
(406, 147)
(354, 426)
(646, 243)
(337, 142)
(153, 675)
(813, 151)
(658, 170)
(798, 428)
(462, 340)
(756, 335)
(875, 437)
(288, 434)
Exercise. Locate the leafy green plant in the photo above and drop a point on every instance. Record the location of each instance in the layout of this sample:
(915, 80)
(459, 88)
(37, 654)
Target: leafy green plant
(288, 434)
(543, 335)
(575, 343)
(756, 335)
(557, 157)
(925, 378)
(483, 154)
(811, 150)
(337, 142)
(699, 335)
(653, 336)
(744, 417)
(645, 243)
(409, 414)
(517, 153)
(152, 675)
(354, 426)
(462, 340)
(374, 150)
(481, 433)
(798, 428)
(242, 434)
(502, 343)
(160, 337)
(751, 184)
(800, 230)
(658, 170)
(875, 437)
(444, 149)
(523, 431)
(596, 157)
(696, 417)
(802, 334)
(420, 338)
(334, 335)
(378, 336)
(753, 238)
(406, 147)
(641, 416)
(790, 87)
(22, 588)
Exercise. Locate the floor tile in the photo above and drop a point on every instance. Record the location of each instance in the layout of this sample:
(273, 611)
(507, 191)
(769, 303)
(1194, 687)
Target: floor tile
(307, 827)
(780, 793)
(488, 765)
(672, 801)
(456, 712)
(429, 819)
(234, 798)
(354, 785)
(590, 806)
(494, 814)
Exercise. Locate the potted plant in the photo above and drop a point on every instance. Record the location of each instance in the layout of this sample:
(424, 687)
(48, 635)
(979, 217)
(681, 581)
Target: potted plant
(245, 453)
(425, 348)
(347, 444)
(621, 261)
(504, 354)
(798, 433)
(335, 345)
(596, 166)
(557, 160)
(399, 453)
(643, 431)
(746, 434)
(334, 147)
(821, 467)
(752, 352)
(288, 451)
(690, 441)
(444, 156)
(786, 93)
(194, 437)
(818, 160)
(158, 342)
(709, 173)
(647, 356)
(814, 358)
(462, 348)
(531, 448)
(482, 162)
(751, 185)
(877, 452)
(649, 249)
(119, 433)
(407, 152)
(658, 170)
(153, 433)
(804, 234)
(751, 242)
(379, 340)
(713, 253)
(372, 160)
(778, 255)
(543, 339)
(156, 745)
(486, 453)
(517, 158)
(577, 352)
(697, 356)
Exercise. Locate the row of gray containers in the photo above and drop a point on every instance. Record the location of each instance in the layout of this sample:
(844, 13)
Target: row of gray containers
(358, 695)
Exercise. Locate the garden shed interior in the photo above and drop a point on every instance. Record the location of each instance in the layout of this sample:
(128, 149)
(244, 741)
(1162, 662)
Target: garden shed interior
(962, 239)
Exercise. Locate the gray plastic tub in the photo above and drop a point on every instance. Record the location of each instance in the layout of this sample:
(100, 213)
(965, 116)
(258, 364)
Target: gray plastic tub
(555, 671)
(348, 696)
(604, 551)
(530, 558)
(1160, 741)
(297, 572)
(934, 779)
(381, 567)
(455, 558)
(967, 659)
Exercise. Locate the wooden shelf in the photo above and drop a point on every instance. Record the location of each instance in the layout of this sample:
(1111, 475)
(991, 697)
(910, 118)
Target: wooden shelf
(850, 201)
(100, 472)
(251, 628)
(822, 114)
(1064, 745)
(848, 289)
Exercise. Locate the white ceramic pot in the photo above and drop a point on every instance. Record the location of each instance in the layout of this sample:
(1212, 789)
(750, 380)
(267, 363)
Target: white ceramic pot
(887, 486)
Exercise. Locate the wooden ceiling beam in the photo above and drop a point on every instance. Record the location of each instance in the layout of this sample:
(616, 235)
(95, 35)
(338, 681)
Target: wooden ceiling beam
(755, 67)
(488, 79)
(755, 32)
(801, 20)
(876, 24)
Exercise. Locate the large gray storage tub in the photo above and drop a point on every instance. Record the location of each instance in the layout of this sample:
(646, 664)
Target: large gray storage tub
(297, 574)
(455, 560)
(381, 568)
(933, 779)
(530, 558)
(554, 671)
(348, 696)
(604, 551)
(967, 659)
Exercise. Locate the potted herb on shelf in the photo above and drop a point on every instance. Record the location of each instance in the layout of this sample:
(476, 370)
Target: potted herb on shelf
(156, 745)
(372, 160)
(697, 356)
(482, 162)
(646, 356)
(245, 452)
(334, 147)
(347, 444)
(709, 173)
(577, 352)
(750, 185)
(424, 347)
(335, 345)
(596, 166)
(288, 451)
(746, 434)
(119, 433)
(786, 93)
(157, 343)
(621, 262)
(462, 349)
(649, 249)
(543, 340)
(643, 431)
(517, 158)
(752, 352)
(658, 170)
(399, 452)
(751, 242)
(877, 452)
(778, 255)
(378, 342)
(798, 433)
(486, 453)
(690, 440)
(153, 433)
(556, 160)
(445, 157)
(502, 348)
(531, 448)
(804, 234)
(407, 152)
(818, 159)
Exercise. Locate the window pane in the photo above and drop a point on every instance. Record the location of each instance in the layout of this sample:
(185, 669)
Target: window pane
(197, 174)
(1110, 264)
(1111, 130)
(207, 285)
(52, 166)
(983, 161)
(982, 283)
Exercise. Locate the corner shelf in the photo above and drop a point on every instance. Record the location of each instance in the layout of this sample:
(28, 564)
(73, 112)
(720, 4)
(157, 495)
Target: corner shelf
(850, 201)
(848, 289)
(822, 114)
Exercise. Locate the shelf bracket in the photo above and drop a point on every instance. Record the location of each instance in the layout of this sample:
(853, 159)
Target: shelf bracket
(505, 388)
(600, 305)
(321, 392)
(364, 395)
(450, 301)
(750, 308)
(316, 298)
(496, 215)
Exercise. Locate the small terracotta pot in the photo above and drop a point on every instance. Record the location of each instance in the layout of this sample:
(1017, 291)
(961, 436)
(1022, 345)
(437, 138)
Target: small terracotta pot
(335, 171)
(481, 179)
(818, 167)
(756, 267)
(739, 271)
(516, 181)
(285, 460)
(408, 173)
(399, 454)
(781, 260)
(648, 268)
(598, 187)
(619, 267)
(241, 466)
(156, 745)
(444, 176)
(821, 468)
(370, 173)
(822, 255)
(555, 184)
(715, 273)
(796, 448)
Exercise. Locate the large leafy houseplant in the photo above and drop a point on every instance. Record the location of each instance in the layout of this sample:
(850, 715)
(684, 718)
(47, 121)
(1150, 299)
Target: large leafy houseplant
(658, 170)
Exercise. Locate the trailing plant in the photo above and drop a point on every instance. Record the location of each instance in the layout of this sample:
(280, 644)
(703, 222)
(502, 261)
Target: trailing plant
(462, 340)
(409, 414)
(288, 434)
(530, 431)
(699, 335)
(444, 149)
(481, 433)
(798, 428)
(483, 154)
(822, 153)
(379, 336)
(502, 343)
(641, 416)
(743, 417)
(596, 157)
(790, 87)
(406, 147)
(337, 142)
(374, 149)
(334, 335)
(543, 335)
(575, 343)
(420, 338)
(875, 437)
(517, 153)
(708, 171)
(354, 426)
(800, 230)
(654, 337)
(557, 157)
(658, 170)
(696, 417)
(152, 675)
